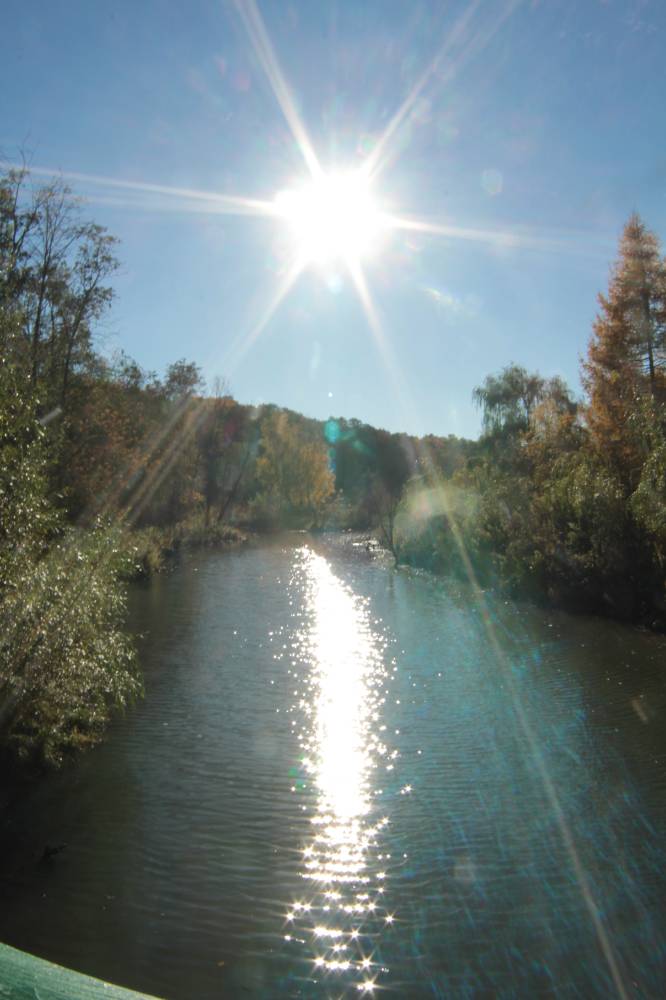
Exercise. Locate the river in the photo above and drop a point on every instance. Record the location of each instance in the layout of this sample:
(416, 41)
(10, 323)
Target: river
(350, 780)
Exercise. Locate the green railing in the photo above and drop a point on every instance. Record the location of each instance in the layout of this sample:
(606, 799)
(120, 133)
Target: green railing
(25, 977)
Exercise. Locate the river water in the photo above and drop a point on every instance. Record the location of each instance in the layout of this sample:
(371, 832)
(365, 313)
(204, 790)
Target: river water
(347, 780)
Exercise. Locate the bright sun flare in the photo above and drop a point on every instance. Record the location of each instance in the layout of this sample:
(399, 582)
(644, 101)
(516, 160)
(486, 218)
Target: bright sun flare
(332, 219)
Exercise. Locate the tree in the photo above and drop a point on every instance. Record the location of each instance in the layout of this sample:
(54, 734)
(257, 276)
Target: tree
(53, 271)
(370, 465)
(64, 659)
(27, 519)
(626, 358)
(183, 381)
(17, 221)
(226, 441)
(385, 505)
(648, 505)
(508, 400)
(292, 471)
(81, 298)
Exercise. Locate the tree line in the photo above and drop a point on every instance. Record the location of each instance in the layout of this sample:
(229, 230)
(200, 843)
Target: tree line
(565, 499)
(104, 467)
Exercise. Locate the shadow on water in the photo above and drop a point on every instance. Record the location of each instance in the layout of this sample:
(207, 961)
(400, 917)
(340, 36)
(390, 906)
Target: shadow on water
(335, 786)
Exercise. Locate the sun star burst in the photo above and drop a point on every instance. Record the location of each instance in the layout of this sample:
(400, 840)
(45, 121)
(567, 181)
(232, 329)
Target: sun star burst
(333, 218)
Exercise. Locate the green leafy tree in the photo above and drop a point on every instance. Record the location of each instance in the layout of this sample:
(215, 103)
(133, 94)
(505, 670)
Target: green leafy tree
(508, 400)
(64, 659)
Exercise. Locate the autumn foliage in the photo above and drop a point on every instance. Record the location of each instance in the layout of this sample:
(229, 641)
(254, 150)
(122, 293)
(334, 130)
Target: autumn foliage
(566, 500)
(105, 466)
(625, 369)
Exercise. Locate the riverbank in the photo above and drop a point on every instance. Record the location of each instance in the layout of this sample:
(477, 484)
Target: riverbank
(616, 601)
(152, 548)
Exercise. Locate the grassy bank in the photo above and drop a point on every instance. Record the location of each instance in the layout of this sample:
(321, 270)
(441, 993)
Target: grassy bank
(151, 548)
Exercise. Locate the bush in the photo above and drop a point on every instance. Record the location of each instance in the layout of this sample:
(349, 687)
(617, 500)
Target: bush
(64, 659)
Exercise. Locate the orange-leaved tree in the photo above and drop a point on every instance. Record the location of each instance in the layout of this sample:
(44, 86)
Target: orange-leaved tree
(624, 373)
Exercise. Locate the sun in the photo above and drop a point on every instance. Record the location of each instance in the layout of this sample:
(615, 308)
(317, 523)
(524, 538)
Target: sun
(332, 219)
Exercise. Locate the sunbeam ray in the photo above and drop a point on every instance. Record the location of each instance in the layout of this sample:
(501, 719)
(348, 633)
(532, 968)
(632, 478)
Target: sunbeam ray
(550, 790)
(193, 414)
(383, 346)
(549, 787)
(129, 484)
(372, 164)
(222, 203)
(242, 345)
(379, 158)
(519, 238)
(136, 484)
(261, 43)
(171, 205)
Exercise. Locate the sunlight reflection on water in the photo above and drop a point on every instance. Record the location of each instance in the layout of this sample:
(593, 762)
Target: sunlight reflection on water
(345, 865)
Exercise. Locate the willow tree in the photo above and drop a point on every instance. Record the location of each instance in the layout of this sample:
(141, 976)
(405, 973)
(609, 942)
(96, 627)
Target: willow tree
(509, 399)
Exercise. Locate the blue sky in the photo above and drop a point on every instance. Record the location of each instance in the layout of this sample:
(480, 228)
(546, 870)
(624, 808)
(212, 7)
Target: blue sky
(539, 129)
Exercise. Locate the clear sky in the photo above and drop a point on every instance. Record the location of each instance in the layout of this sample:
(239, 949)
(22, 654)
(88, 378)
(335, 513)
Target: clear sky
(531, 131)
